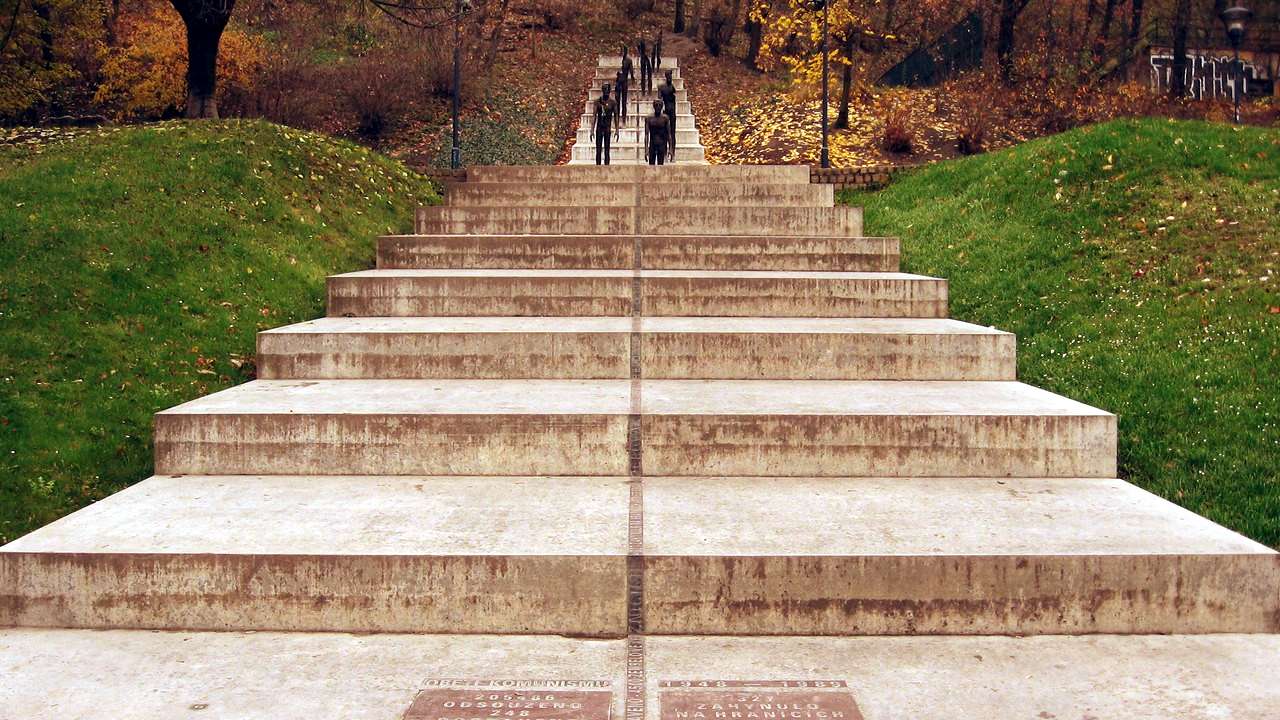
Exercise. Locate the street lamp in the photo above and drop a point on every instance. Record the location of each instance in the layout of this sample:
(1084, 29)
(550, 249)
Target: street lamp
(1235, 19)
(460, 7)
(824, 6)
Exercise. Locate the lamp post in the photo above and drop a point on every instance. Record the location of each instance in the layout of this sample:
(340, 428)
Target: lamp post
(824, 6)
(1235, 19)
(459, 8)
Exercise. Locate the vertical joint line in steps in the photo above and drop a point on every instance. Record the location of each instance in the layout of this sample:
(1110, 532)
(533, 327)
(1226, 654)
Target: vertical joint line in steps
(636, 676)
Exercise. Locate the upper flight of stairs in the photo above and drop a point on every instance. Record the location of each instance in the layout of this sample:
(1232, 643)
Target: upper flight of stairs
(628, 144)
(818, 448)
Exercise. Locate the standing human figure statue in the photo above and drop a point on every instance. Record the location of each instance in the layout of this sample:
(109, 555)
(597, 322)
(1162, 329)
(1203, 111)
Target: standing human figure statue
(656, 62)
(656, 135)
(602, 122)
(646, 69)
(667, 91)
(626, 76)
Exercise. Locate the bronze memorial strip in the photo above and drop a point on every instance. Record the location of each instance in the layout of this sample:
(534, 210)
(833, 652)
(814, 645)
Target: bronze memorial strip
(757, 700)
(635, 689)
(484, 699)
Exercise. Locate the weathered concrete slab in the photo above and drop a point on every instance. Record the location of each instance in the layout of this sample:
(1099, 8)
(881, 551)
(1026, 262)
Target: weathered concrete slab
(598, 348)
(133, 675)
(634, 153)
(871, 428)
(983, 678)
(541, 252)
(638, 195)
(367, 554)
(141, 675)
(667, 252)
(400, 427)
(708, 220)
(824, 349)
(944, 556)
(481, 292)
(475, 347)
(792, 294)
(609, 293)
(569, 173)
(631, 131)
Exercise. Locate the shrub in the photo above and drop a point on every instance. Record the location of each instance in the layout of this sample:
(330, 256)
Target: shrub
(376, 92)
(717, 30)
(898, 136)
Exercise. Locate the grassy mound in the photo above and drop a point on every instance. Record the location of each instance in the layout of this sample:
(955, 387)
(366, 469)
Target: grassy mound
(138, 265)
(1137, 262)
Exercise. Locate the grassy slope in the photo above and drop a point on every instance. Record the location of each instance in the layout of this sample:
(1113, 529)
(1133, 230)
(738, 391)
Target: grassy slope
(1137, 262)
(138, 265)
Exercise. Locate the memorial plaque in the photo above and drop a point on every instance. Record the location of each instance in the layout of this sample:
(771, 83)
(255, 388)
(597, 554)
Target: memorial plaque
(757, 700)
(513, 700)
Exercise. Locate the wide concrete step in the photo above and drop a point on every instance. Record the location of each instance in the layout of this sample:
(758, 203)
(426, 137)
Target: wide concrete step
(638, 195)
(146, 675)
(705, 220)
(688, 428)
(657, 252)
(633, 133)
(635, 154)
(634, 92)
(352, 554)
(635, 121)
(565, 173)
(943, 556)
(614, 63)
(600, 348)
(611, 74)
(593, 293)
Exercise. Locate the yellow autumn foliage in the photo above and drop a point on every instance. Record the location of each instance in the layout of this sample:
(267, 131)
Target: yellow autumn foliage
(145, 74)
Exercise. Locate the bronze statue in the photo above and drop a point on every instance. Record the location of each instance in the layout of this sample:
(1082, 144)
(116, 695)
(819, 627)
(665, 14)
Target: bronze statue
(667, 91)
(656, 134)
(646, 69)
(602, 121)
(625, 76)
(656, 63)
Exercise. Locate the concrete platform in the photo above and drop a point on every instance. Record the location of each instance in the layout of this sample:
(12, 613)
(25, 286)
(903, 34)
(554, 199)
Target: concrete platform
(722, 555)
(599, 348)
(132, 675)
(710, 220)
(674, 173)
(689, 428)
(638, 195)
(693, 293)
(944, 556)
(369, 554)
(400, 427)
(871, 428)
(475, 347)
(662, 252)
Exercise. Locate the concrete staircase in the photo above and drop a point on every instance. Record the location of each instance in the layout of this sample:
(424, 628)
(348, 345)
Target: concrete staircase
(638, 426)
(628, 145)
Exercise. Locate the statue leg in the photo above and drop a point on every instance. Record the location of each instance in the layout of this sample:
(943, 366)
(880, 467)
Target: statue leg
(600, 139)
(671, 136)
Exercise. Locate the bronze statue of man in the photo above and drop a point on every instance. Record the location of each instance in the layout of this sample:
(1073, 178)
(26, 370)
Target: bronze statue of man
(667, 91)
(656, 62)
(625, 77)
(646, 69)
(602, 122)
(656, 134)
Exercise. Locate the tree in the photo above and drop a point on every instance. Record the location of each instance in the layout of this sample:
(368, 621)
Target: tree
(1006, 38)
(1181, 27)
(678, 26)
(205, 20)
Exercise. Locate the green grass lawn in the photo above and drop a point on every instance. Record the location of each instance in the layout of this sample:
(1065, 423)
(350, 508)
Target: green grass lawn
(1139, 264)
(138, 264)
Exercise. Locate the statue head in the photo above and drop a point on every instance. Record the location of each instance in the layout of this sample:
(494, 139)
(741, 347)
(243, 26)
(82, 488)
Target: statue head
(624, 52)
(604, 91)
(643, 47)
(669, 77)
(658, 107)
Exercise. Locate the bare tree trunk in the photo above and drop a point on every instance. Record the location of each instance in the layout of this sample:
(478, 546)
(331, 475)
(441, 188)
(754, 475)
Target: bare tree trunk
(694, 25)
(846, 80)
(679, 23)
(205, 20)
(1181, 26)
(495, 37)
(735, 19)
(1006, 39)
